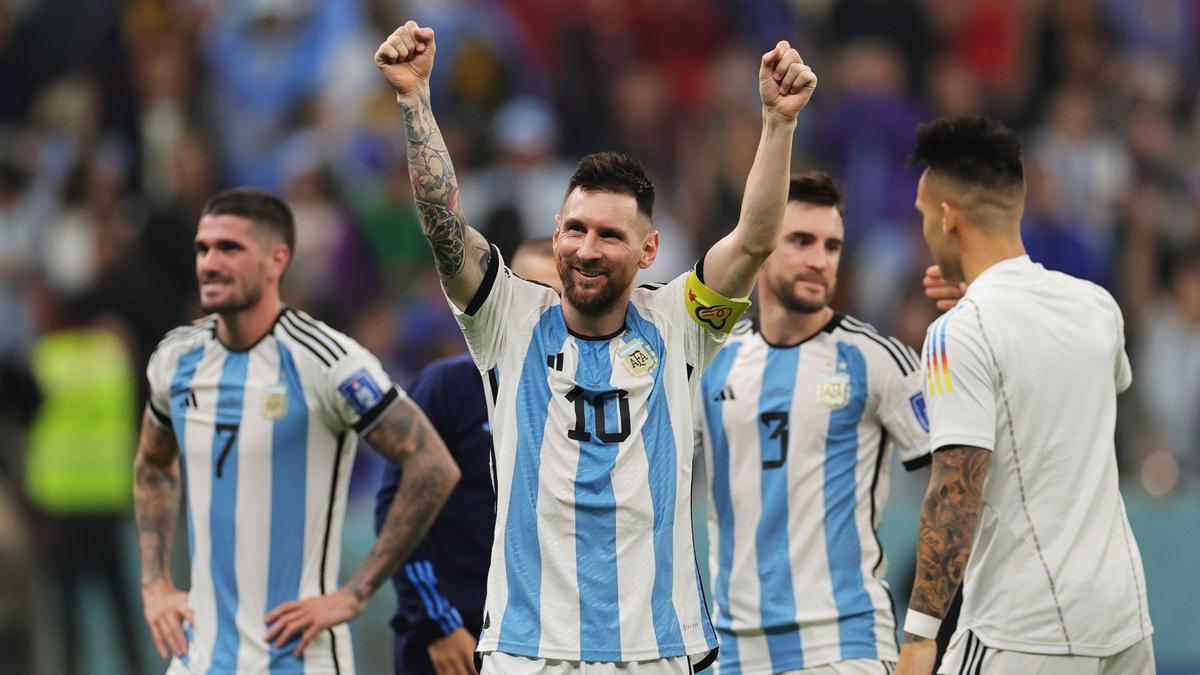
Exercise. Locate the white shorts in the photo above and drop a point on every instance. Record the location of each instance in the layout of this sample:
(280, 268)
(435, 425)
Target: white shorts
(499, 663)
(969, 656)
(851, 667)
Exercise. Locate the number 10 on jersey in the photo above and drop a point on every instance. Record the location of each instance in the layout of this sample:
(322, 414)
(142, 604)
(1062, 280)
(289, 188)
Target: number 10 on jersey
(581, 400)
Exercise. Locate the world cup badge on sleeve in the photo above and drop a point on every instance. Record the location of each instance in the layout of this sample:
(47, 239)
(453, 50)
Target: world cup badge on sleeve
(833, 391)
(275, 402)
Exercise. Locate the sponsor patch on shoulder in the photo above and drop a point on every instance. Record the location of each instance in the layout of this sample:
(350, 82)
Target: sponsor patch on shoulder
(360, 391)
(917, 401)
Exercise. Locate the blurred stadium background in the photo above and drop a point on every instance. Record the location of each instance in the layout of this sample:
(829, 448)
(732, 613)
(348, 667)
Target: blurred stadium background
(118, 118)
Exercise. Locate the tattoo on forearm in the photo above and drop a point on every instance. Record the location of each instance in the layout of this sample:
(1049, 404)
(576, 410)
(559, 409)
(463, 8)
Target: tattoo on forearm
(155, 506)
(406, 437)
(909, 638)
(435, 187)
(949, 517)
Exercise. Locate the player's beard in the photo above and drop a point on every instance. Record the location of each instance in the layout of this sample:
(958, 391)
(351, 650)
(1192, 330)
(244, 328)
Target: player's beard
(597, 302)
(784, 292)
(239, 299)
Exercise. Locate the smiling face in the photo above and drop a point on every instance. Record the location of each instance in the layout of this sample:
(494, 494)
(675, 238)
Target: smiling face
(235, 262)
(599, 244)
(801, 274)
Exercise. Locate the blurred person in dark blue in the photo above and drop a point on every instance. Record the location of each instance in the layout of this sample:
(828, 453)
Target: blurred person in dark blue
(441, 589)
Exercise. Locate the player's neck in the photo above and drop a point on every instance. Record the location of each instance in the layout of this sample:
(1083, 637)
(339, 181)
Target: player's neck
(604, 325)
(988, 252)
(782, 326)
(239, 331)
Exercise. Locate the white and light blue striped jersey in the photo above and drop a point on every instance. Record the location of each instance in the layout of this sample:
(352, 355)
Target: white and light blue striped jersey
(593, 557)
(797, 448)
(266, 437)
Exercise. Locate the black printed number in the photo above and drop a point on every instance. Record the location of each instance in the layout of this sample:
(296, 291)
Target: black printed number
(580, 432)
(231, 433)
(778, 424)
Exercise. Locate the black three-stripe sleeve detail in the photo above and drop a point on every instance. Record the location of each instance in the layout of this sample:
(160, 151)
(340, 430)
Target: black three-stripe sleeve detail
(904, 350)
(485, 286)
(319, 332)
(289, 320)
(163, 418)
(367, 420)
(900, 361)
(303, 342)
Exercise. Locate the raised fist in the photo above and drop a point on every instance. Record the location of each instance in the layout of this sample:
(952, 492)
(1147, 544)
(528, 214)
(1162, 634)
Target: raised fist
(784, 82)
(406, 58)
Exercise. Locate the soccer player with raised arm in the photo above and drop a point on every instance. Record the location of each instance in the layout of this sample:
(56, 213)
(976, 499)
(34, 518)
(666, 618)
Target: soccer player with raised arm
(590, 391)
(1021, 380)
(800, 412)
(259, 407)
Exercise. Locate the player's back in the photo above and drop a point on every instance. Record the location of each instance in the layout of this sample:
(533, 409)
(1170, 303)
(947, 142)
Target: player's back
(1054, 567)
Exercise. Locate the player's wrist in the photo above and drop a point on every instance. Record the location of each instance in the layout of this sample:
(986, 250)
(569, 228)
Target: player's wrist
(413, 97)
(774, 119)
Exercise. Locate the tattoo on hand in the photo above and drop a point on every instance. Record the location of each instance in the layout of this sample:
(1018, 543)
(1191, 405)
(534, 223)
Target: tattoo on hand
(949, 517)
(435, 187)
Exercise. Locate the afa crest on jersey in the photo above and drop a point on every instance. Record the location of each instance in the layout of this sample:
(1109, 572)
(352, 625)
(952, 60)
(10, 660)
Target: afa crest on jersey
(834, 391)
(275, 402)
(637, 357)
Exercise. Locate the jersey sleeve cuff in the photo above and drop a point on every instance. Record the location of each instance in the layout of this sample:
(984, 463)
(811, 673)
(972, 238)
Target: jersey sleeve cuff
(485, 286)
(917, 462)
(160, 418)
(940, 441)
(367, 421)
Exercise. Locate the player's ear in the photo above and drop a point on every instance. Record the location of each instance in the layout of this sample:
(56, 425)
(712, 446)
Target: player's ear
(951, 217)
(281, 255)
(649, 249)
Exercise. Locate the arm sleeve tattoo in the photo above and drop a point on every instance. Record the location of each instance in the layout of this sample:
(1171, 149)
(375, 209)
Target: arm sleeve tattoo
(949, 517)
(156, 499)
(406, 437)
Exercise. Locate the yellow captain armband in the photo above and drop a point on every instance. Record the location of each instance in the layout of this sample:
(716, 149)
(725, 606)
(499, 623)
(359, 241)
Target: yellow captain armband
(709, 308)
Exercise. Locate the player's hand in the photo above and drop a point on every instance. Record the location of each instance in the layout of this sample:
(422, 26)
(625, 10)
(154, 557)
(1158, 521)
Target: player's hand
(917, 658)
(785, 83)
(406, 58)
(946, 294)
(307, 618)
(166, 608)
(454, 654)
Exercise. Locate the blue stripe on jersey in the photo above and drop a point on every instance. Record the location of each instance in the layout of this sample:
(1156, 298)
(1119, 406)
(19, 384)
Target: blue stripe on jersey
(289, 473)
(856, 612)
(185, 370)
(777, 599)
(658, 438)
(223, 509)
(521, 626)
(596, 508)
(712, 386)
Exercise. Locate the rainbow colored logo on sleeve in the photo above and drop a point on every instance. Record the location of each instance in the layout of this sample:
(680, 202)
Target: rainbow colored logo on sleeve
(937, 361)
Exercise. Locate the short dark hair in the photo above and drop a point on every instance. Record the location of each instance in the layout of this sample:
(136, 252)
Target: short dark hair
(615, 172)
(259, 206)
(815, 187)
(973, 150)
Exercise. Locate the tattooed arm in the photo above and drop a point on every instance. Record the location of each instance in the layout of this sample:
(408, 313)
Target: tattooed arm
(404, 436)
(949, 517)
(156, 508)
(460, 253)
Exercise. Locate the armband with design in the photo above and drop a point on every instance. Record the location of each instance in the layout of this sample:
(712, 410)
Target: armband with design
(710, 309)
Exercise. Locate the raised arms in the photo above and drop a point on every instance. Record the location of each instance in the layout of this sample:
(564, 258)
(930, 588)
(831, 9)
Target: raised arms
(404, 436)
(460, 253)
(156, 494)
(949, 517)
(786, 85)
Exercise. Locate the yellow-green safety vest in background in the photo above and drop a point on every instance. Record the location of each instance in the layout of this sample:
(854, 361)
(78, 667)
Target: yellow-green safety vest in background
(81, 442)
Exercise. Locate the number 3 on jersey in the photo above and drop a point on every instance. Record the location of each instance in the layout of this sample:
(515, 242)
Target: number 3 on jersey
(580, 398)
(777, 423)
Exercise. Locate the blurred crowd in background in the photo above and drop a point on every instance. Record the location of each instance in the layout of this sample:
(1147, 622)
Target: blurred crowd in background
(119, 118)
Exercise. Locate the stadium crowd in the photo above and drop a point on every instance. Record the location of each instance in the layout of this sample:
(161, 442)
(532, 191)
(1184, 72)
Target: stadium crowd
(118, 119)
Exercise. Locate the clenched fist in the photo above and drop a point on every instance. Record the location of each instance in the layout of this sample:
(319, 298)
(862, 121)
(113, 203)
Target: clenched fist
(785, 83)
(406, 58)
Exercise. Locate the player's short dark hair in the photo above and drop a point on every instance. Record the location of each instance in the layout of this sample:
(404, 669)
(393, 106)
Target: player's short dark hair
(973, 150)
(259, 206)
(615, 172)
(815, 187)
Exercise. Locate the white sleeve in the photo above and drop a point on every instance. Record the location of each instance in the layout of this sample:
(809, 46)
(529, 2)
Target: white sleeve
(1123, 371)
(705, 316)
(502, 301)
(902, 412)
(960, 385)
(358, 391)
(158, 375)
